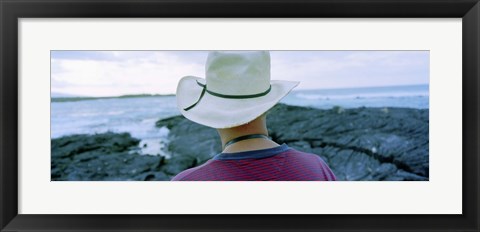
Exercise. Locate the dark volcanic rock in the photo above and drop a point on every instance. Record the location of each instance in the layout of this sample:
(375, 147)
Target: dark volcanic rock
(107, 156)
(358, 144)
(191, 144)
(397, 136)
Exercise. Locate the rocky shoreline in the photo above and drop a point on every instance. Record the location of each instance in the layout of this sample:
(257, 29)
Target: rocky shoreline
(358, 144)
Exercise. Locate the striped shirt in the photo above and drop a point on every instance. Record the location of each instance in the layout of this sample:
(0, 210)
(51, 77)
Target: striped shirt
(281, 163)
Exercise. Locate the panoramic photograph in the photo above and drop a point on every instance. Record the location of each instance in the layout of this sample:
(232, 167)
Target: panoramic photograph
(327, 115)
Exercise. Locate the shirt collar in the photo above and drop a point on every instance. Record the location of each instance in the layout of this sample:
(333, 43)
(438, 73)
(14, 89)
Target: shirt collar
(256, 154)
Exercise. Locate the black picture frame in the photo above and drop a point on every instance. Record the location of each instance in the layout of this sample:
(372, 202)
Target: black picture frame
(12, 10)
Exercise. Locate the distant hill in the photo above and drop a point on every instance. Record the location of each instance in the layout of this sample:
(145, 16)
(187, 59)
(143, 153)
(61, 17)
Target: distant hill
(77, 98)
(63, 95)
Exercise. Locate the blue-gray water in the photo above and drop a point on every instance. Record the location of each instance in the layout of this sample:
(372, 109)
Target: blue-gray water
(134, 115)
(413, 96)
(138, 115)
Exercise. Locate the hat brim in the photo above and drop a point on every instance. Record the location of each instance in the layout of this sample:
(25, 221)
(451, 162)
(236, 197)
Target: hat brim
(218, 112)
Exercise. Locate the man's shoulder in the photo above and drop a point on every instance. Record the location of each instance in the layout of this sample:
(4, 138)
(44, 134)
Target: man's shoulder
(305, 159)
(189, 173)
(294, 153)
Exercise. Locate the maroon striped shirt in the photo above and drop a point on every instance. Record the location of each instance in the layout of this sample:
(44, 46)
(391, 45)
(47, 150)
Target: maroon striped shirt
(280, 163)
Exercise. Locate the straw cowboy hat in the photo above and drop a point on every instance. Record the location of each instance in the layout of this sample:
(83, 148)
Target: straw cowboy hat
(237, 89)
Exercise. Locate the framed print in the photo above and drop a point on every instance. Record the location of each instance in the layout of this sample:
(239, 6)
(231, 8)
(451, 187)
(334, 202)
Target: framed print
(92, 93)
(100, 95)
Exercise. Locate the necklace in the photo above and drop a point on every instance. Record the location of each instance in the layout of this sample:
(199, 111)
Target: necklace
(245, 137)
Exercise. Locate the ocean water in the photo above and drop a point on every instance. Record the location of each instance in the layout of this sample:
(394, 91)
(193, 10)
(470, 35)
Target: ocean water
(412, 96)
(134, 115)
(138, 115)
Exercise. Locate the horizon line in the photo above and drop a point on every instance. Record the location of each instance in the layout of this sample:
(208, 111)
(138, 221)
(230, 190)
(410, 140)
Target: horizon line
(170, 94)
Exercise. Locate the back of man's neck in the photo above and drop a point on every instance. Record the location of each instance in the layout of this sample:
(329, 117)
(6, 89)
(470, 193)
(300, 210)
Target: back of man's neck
(250, 145)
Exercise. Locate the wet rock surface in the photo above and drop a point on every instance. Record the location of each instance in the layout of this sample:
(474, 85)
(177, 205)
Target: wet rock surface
(358, 144)
(106, 157)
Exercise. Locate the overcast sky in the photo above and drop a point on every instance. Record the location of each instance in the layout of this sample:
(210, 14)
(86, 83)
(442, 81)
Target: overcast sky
(114, 73)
